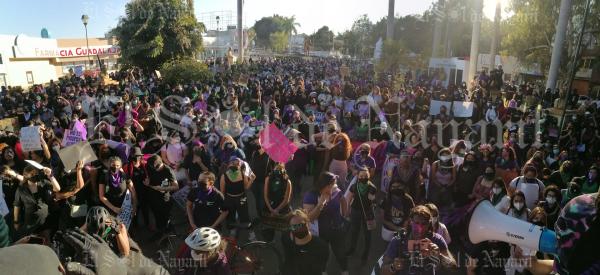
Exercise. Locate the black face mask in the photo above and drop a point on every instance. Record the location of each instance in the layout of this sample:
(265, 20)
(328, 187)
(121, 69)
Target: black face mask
(233, 168)
(331, 131)
(489, 176)
(300, 233)
(113, 170)
(397, 192)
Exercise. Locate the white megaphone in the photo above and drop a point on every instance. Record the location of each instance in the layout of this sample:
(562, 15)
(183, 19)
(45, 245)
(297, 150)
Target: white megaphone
(489, 224)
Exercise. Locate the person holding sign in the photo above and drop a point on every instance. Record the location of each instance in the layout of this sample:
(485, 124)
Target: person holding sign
(113, 189)
(32, 201)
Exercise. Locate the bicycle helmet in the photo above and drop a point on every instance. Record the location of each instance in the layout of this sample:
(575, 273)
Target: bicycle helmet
(204, 239)
(96, 219)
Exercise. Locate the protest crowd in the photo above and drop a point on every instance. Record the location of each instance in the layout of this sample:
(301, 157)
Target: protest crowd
(86, 166)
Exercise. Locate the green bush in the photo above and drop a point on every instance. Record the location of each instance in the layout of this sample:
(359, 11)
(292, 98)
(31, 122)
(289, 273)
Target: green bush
(185, 71)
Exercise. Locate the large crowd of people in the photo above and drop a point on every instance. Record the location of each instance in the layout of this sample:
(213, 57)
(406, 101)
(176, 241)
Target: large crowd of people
(380, 165)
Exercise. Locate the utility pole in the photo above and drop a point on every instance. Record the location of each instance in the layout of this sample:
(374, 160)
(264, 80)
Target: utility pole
(475, 41)
(390, 21)
(574, 63)
(437, 29)
(240, 4)
(559, 39)
(496, 36)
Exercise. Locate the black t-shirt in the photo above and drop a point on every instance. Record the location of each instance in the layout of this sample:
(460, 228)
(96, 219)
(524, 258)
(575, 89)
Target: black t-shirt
(308, 259)
(163, 178)
(397, 211)
(207, 206)
(34, 206)
(115, 194)
(362, 200)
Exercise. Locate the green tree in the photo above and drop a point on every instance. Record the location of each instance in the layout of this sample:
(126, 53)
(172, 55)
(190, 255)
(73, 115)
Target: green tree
(153, 32)
(393, 55)
(185, 71)
(532, 28)
(279, 41)
(322, 39)
(289, 25)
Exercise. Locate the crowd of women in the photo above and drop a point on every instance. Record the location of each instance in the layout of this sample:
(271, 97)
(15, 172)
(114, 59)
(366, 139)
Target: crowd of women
(375, 156)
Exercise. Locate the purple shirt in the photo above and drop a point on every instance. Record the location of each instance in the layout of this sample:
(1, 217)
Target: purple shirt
(330, 219)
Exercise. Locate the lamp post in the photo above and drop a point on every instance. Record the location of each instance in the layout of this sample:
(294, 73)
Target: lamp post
(84, 20)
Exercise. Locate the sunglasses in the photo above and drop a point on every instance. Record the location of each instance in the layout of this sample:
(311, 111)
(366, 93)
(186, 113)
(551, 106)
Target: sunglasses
(297, 226)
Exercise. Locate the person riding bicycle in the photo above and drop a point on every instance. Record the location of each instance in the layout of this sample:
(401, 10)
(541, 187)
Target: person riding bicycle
(207, 250)
(99, 221)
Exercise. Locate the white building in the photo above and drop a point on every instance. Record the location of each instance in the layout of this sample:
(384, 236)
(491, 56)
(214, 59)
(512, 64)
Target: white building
(455, 70)
(25, 60)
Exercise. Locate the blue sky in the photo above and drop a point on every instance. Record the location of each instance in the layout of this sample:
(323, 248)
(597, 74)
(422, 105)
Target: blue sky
(62, 17)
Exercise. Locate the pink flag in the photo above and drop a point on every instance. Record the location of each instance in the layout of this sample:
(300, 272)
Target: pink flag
(276, 144)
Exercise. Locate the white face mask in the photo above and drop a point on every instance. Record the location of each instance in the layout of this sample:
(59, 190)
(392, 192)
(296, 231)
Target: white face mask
(496, 190)
(445, 158)
(551, 200)
(56, 148)
(518, 205)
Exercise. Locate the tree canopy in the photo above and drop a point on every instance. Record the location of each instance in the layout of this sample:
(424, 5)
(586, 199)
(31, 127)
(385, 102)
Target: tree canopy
(154, 31)
(267, 26)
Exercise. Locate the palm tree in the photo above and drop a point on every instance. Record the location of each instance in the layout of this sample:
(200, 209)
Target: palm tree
(289, 25)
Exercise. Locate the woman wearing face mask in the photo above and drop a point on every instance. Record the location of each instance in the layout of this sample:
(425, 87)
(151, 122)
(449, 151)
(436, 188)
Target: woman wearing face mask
(506, 164)
(498, 196)
(484, 184)
(518, 208)
(362, 158)
(205, 205)
(438, 227)
(277, 193)
(233, 184)
(425, 245)
(113, 190)
(468, 175)
(573, 190)
(590, 182)
(393, 149)
(34, 202)
(160, 183)
(361, 197)
(304, 252)
(136, 170)
(396, 207)
(326, 207)
(228, 149)
(443, 175)
(173, 153)
(551, 204)
(563, 176)
(537, 160)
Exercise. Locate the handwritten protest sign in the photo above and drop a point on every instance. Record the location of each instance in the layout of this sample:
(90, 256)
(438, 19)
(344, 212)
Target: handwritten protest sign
(276, 144)
(126, 210)
(76, 134)
(72, 154)
(30, 139)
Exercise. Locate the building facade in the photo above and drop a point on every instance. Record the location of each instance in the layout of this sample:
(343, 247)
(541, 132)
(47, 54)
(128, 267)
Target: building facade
(25, 60)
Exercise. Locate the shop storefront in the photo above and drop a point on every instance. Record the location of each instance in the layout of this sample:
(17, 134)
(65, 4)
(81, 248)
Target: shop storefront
(25, 60)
